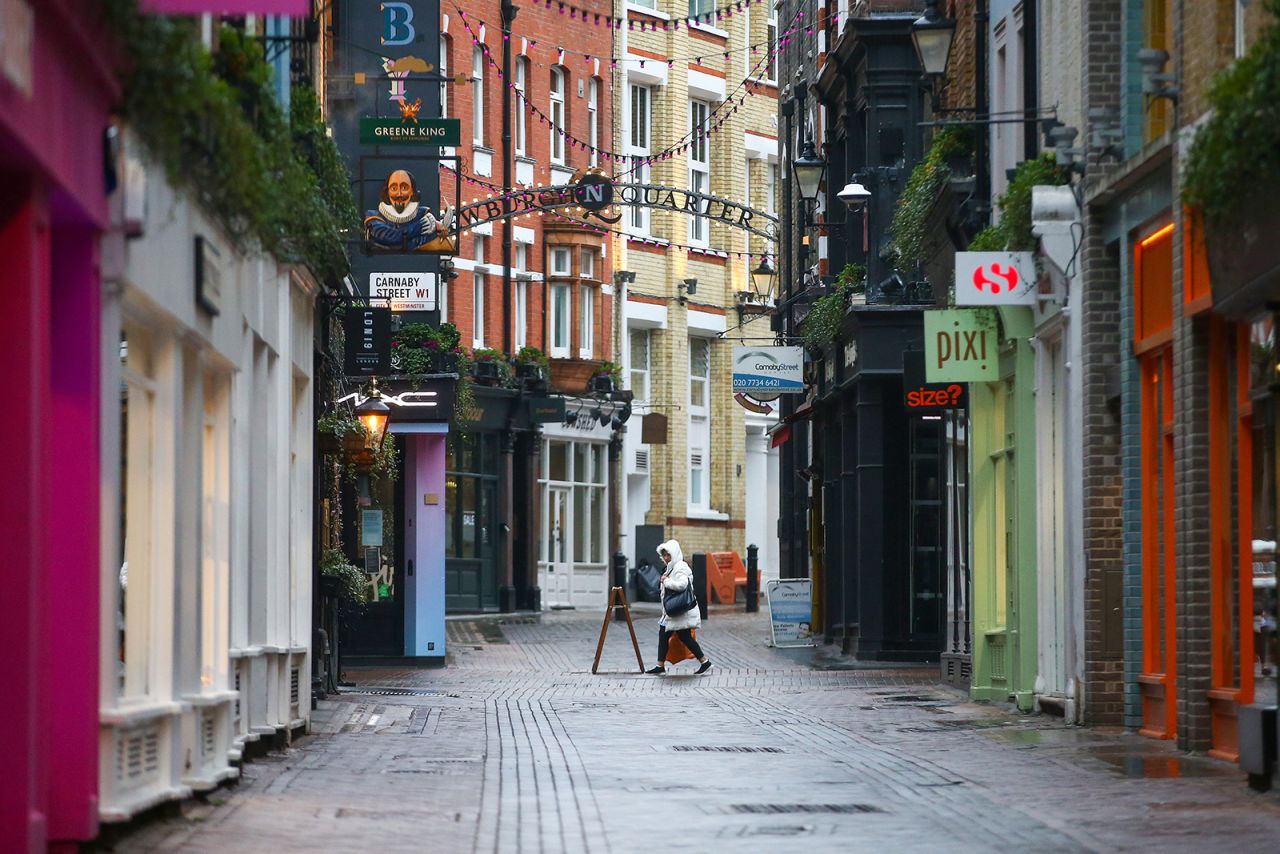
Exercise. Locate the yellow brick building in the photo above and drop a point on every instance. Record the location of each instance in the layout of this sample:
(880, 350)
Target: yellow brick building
(713, 483)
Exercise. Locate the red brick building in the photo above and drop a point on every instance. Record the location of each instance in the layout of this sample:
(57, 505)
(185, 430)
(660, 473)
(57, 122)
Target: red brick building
(561, 294)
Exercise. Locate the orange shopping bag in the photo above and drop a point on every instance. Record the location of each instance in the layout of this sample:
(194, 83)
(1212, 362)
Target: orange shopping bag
(676, 650)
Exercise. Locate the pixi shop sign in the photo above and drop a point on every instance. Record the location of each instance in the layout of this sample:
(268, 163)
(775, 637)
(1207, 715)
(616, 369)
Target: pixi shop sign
(960, 345)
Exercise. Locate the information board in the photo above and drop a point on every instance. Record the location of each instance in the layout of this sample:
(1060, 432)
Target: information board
(791, 611)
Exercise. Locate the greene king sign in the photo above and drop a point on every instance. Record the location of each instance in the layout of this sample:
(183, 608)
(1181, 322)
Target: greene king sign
(770, 369)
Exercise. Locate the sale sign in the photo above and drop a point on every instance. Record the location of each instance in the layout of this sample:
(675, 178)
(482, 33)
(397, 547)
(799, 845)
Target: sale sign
(995, 278)
(923, 397)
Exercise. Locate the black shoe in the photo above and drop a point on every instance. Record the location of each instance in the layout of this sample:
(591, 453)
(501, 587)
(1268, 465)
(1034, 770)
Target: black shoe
(656, 671)
(706, 665)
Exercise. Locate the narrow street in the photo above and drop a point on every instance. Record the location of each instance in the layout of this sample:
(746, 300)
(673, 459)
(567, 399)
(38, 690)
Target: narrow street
(516, 747)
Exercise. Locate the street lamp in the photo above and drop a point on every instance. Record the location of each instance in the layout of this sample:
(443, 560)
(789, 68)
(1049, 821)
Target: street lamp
(933, 33)
(854, 195)
(762, 277)
(374, 415)
(809, 168)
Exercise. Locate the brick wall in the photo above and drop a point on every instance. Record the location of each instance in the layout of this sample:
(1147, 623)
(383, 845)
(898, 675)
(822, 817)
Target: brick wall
(537, 33)
(1101, 330)
(659, 268)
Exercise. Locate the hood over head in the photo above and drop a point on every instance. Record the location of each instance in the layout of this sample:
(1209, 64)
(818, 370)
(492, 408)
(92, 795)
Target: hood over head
(672, 547)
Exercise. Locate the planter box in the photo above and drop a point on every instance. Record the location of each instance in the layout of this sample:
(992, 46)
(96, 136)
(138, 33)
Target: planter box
(353, 444)
(486, 372)
(572, 376)
(601, 384)
(1244, 260)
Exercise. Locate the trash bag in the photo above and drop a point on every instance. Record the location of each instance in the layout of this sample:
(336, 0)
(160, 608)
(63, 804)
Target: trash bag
(648, 583)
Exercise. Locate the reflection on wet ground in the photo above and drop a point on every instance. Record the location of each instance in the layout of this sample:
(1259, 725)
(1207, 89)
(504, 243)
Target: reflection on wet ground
(1127, 755)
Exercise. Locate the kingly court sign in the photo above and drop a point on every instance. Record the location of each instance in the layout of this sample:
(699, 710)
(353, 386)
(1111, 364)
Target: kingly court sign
(595, 195)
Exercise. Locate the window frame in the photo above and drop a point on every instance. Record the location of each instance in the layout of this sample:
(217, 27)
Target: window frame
(477, 96)
(444, 73)
(593, 119)
(521, 84)
(557, 323)
(479, 284)
(699, 167)
(586, 322)
(559, 111)
(645, 335)
(639, 147)
(699, 443)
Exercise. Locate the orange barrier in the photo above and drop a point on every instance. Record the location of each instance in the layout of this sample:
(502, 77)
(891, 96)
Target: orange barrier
(726, 573)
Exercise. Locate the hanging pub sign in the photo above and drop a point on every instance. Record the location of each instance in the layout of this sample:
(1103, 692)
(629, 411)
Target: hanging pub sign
(367, 351)
(922, 397)
(546, 410)
(768, 369)
(401, 222)
(995, 278)
(960, 345)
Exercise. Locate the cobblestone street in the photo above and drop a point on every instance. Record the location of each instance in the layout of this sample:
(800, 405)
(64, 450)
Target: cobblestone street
(516, 747)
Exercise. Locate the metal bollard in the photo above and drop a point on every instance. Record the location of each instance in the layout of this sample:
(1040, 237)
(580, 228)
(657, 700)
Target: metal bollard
(699, 566)
(619, 580)
(753, 579)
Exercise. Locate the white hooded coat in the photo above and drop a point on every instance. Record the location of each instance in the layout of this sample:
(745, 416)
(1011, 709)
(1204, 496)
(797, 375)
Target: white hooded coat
(678, 576)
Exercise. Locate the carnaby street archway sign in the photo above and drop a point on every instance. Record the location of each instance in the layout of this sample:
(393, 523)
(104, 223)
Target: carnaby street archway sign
(594, 196)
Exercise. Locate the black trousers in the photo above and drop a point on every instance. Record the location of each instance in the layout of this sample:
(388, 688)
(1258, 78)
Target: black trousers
(685, 635)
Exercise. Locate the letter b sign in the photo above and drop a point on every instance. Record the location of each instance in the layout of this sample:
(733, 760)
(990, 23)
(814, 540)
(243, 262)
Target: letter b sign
(397, 24)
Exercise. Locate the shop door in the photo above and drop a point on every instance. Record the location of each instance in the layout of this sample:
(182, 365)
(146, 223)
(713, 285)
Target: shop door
(558, 584)
(1157, 681)
(471, 567)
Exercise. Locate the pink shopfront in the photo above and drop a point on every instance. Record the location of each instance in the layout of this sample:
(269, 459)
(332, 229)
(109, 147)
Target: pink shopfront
(58, 87)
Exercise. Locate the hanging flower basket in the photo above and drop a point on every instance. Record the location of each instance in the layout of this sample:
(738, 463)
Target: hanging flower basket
(353, 444)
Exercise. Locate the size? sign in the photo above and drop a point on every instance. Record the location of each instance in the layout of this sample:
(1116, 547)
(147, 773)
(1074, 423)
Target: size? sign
(921, 396)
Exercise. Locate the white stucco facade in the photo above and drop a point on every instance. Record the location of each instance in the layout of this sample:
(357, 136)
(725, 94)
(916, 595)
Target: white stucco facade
(207, 505)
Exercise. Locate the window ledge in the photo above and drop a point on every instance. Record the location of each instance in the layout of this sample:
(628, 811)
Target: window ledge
(707, 28)
(711, 515)
(645, 10)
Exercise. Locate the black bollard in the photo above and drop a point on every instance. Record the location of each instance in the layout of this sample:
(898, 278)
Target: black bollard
(753, 578)
(619, 580)
(699, 566)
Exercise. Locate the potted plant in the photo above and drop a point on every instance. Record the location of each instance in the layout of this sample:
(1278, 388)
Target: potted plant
(489, 366)
(340, 578)
(340, 431)
(419, 349)
(607, 378)
(531, 367)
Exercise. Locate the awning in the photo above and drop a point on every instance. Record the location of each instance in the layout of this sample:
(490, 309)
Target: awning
(781, 431)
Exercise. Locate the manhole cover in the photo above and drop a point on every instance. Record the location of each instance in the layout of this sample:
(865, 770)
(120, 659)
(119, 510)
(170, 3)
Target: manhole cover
(705, 748)
(778, 809)
(394, 692)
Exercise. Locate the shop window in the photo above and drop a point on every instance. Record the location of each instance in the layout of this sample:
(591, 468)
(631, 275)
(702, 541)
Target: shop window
(137, 558)
(1157, 682)
(1153, 282)
(1230, 532)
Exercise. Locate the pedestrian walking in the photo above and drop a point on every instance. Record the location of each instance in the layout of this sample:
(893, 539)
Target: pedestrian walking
(679, 608)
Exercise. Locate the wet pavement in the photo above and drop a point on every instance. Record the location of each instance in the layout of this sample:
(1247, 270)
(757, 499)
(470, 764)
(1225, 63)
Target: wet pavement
(516, 747)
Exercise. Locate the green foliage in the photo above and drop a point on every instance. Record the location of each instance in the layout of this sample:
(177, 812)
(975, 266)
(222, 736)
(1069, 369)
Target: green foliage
(532, 356)
(1235, 158)
(822, 324)
(1013, 232)
(611, 369)
(488, 355)
(853, 277)
(416, 346)
(339, 423)
(219, 133)
(353, 589)
(907, 231)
